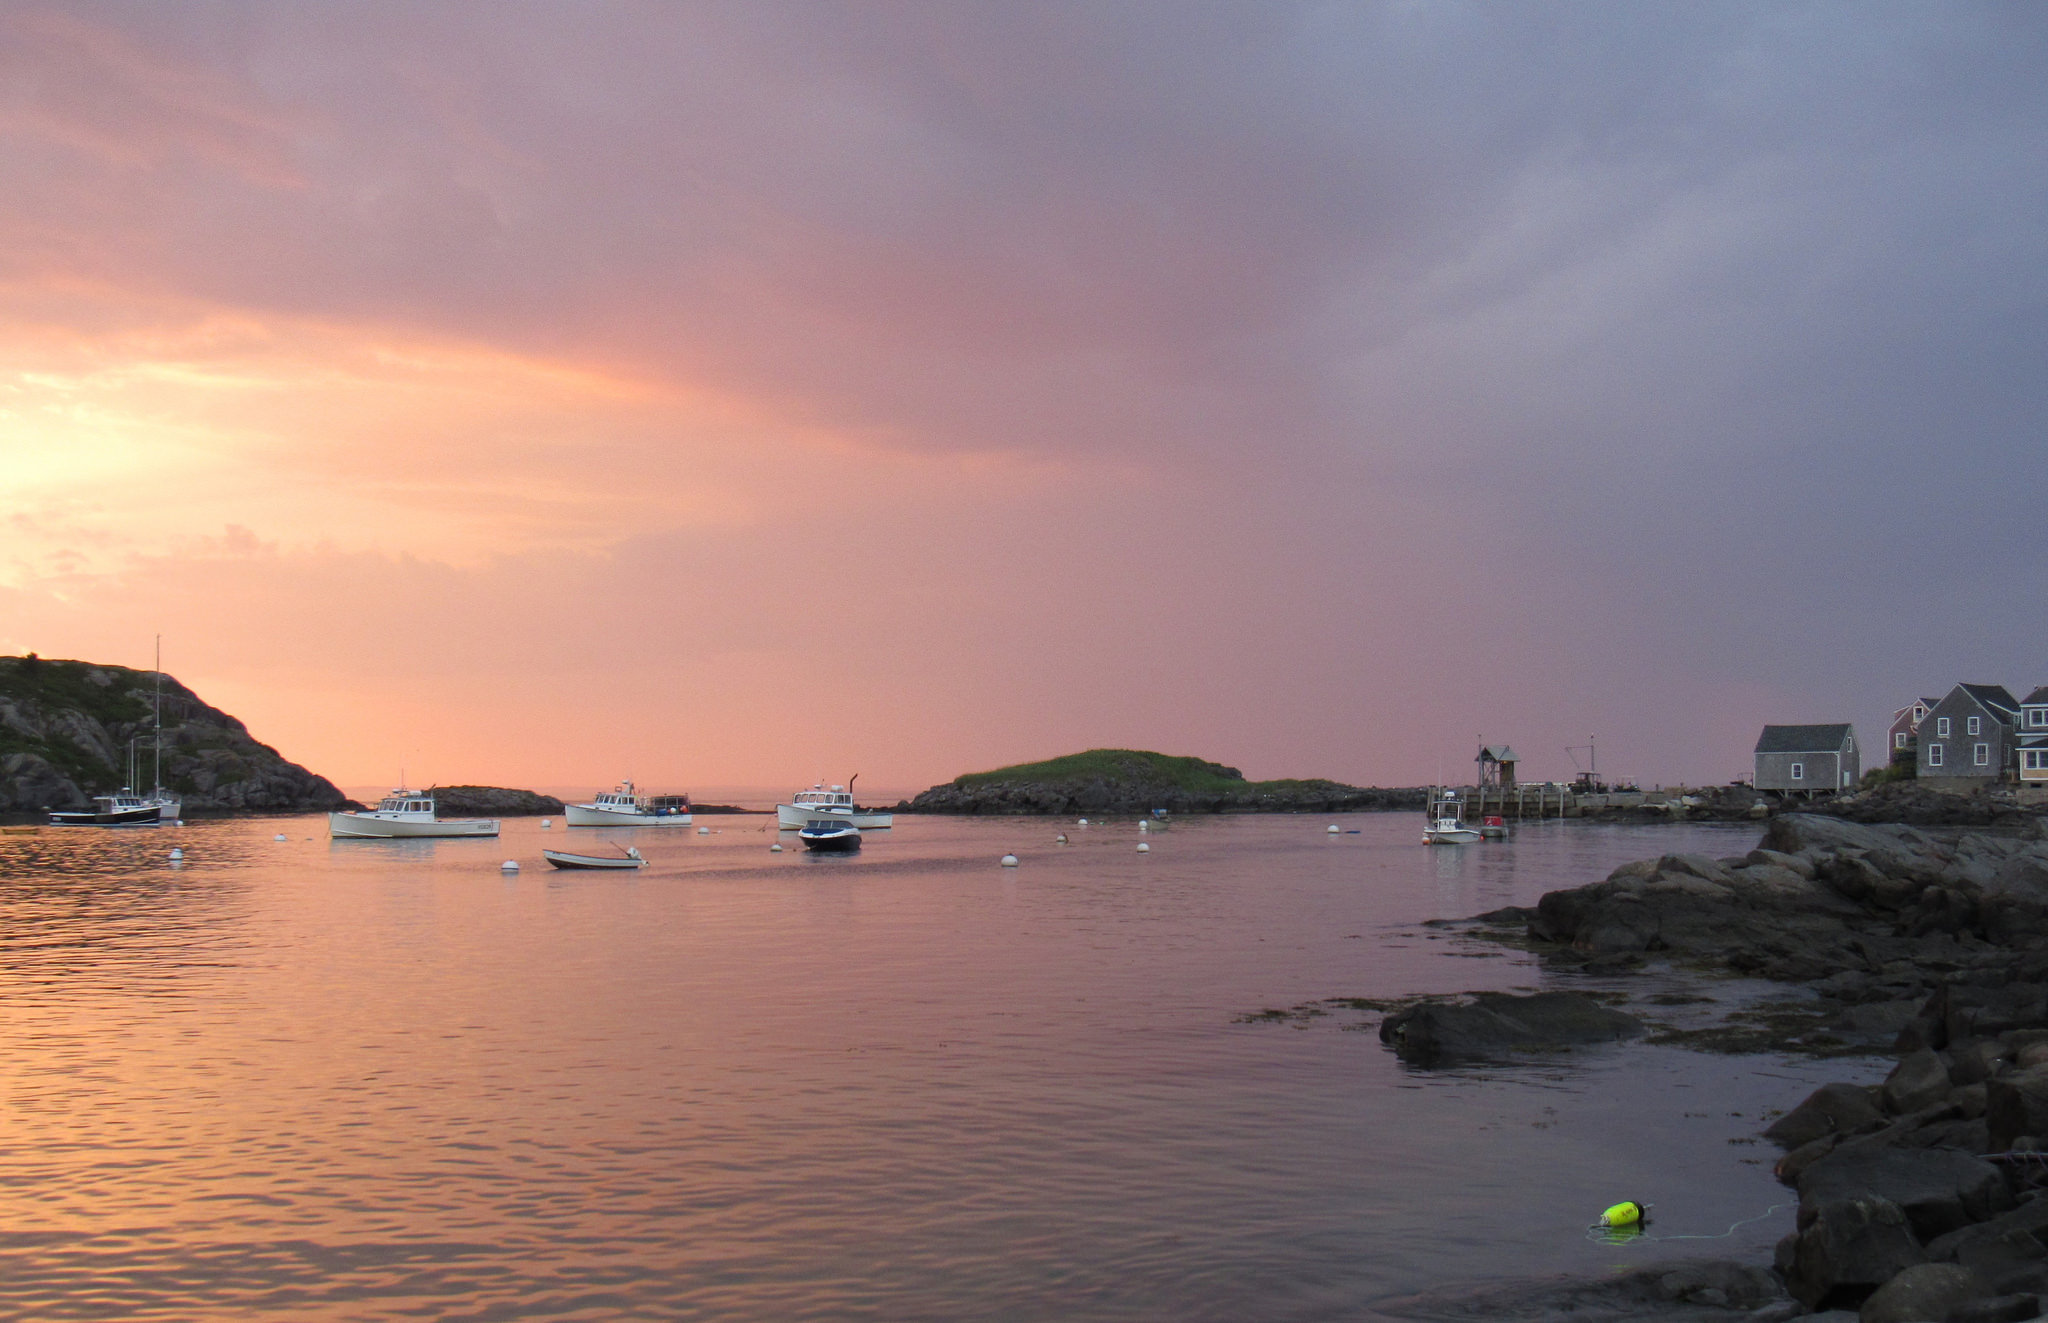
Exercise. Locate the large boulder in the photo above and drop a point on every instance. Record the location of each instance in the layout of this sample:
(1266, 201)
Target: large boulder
(1939, 1190)
(1919, 1080)
(1695, 907)
(1922, 1293)
(1846, 1249)
(2017, 1105)
(1496, 1025)
(1830, 1109)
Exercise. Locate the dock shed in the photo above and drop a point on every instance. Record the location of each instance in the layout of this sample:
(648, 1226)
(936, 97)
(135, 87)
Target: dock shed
(1807, 759)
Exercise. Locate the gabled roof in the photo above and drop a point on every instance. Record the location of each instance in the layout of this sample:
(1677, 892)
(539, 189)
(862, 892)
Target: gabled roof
(1499, 753)
(1802, 739)
(1994, 696)
(2037, 697)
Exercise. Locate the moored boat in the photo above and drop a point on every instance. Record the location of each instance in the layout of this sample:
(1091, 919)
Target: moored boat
(123, 808)
(405, 813)
(833, 835)
(626, 807)
(834, 802)
(565, 859)
(1447, 821)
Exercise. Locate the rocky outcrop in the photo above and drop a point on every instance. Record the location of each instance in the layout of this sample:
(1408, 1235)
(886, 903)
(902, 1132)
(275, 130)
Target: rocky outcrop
(66, 728)
(1913, 803)
(1881, 906)
(1113, 781)
(492, 802)
(1494, 1025)
(1925, 1196)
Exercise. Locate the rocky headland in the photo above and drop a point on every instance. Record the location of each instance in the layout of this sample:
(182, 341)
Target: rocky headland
(1920, 1197)
(492, 801)
(66, 727)
(1107, 781)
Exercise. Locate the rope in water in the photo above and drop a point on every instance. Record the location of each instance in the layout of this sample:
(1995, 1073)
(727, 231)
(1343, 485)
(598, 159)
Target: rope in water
(1633, 1233)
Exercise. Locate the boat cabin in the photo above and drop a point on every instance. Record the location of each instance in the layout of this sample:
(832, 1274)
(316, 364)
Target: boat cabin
(408, 802)
(819, 797)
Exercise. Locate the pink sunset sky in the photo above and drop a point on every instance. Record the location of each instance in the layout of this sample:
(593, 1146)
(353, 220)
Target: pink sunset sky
(742, 394)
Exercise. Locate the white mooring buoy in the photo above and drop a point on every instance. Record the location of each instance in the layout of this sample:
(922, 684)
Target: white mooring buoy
(509, 866)
(1009, 861)
(547, 824)
(177, 855)
(1335, 830)
(1143, 848)
(775, 848)
(278, 837)
(1062, 838)
(703, 831)
(1144, 825)
(1084, 822)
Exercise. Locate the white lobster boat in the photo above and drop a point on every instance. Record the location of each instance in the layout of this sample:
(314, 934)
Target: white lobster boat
(836, 802)
(625, 807)
(1447, 821)
(405, 813)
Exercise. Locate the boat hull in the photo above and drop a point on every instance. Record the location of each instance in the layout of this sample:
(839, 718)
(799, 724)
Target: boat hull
(792, 817)
(589, 815)
(1450, 836)
(563, 859)
(146, 816)
(835, 844)
(365, 826)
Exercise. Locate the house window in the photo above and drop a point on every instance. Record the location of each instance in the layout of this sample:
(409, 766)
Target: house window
(1798, 771)
(1899, 740)
(1983, 758)
(2036, 760)
(1934, 755)
(2037, 716)
(1974, 726)
(1941, 727)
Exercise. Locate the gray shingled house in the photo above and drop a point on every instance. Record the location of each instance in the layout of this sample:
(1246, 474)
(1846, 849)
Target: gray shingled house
(1968, 739)
(2033, 738)
(1815, 759)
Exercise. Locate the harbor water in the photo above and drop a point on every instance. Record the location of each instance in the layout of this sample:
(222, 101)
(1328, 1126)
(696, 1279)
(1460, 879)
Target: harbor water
(307, 1079)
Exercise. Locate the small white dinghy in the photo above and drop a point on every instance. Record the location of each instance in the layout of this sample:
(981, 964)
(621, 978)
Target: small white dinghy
(563, 859)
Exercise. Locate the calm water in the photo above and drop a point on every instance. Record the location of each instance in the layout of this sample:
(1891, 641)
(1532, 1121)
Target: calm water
(372, 1080)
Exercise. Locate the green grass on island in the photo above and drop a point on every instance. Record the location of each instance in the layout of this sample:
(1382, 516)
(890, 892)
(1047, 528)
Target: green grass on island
(1133, 767)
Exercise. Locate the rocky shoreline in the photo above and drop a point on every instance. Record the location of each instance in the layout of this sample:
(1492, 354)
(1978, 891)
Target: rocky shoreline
(1920, 1198)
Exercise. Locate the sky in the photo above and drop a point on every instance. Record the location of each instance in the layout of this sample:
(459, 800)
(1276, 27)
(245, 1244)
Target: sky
(720, 394)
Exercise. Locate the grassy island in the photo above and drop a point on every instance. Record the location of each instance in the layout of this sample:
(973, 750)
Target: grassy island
(1137, 781)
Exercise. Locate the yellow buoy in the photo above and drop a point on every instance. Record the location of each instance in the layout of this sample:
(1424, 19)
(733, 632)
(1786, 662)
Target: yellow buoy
(1627, 1213)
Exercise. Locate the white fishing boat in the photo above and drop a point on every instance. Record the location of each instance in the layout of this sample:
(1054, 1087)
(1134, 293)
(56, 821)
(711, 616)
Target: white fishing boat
(821, 801)
(564, 859)
(405, 813)
(1446, 821)
(626, 807)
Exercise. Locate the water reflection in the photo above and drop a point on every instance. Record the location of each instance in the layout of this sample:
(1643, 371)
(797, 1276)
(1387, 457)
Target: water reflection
(395, 1082)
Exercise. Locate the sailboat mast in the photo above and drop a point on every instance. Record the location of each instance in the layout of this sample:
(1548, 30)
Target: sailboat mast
(156, 715)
